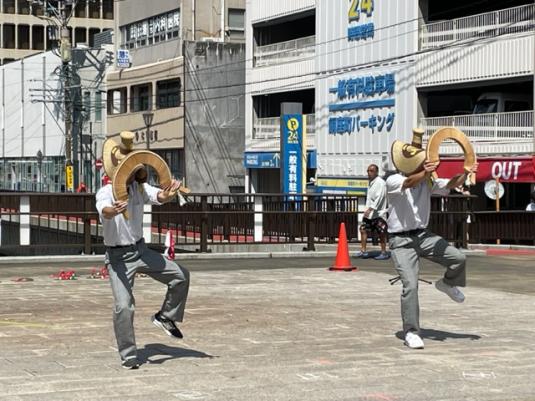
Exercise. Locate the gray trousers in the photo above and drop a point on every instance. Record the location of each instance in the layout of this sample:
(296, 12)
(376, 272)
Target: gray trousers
(406, 252)
(123, 263)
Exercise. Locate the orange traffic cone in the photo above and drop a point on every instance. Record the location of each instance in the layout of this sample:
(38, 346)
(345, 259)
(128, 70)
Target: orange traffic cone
(342, 261)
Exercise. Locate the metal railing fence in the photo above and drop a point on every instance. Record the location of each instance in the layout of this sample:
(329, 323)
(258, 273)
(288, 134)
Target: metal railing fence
(269, 128)
(497, 128)
(283, 52)
(69, 224)
(501, 22)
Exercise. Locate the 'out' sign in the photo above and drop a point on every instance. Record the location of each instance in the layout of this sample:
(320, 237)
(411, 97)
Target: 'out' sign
(506, 170)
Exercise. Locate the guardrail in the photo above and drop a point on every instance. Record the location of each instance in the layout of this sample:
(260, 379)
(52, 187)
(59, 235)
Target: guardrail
(507, 21)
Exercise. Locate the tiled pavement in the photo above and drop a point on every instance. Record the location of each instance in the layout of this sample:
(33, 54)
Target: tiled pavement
(270, 334)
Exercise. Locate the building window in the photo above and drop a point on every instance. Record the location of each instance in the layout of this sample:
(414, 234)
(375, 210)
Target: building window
(236, 19)
(80, 35)
(23, 37)
(98, 106)
(9, 7)
(107, 9)
(94, 9)
(168, 93)
(80, 9)
(140, 98)
(8, 36)
(23, 7)
(117, 101)
(38, 37)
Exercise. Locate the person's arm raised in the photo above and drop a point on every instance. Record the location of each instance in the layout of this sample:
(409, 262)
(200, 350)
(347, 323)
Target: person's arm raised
(414, 179)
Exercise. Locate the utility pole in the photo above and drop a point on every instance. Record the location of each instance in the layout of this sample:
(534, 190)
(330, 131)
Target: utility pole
(57, 15)
(65, 54)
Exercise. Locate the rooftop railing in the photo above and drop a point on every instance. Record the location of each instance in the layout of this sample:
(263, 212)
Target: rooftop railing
(269, 128)
(496, 128)
(284, 52)
(501, 22)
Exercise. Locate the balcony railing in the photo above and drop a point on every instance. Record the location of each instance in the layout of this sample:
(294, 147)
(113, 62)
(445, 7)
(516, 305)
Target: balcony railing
(269, 128)
(501, 22)
(283, 52)
(504, 129)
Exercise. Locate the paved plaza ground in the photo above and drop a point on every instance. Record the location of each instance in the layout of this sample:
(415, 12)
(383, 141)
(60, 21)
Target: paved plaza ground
(272, 329)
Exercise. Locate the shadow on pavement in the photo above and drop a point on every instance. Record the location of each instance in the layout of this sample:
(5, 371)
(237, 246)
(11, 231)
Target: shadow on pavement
(438, 335)
(159, 353)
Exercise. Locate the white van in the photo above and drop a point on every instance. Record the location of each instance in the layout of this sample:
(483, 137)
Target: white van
(500, 102)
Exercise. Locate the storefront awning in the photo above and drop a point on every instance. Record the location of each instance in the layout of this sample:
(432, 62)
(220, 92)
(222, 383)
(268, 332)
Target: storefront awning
(508, 169)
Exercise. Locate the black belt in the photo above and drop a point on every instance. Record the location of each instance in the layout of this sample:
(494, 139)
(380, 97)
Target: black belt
(125, 246)
(409, 233)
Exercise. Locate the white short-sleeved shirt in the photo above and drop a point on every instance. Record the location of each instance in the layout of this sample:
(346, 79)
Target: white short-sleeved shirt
(119, 231)
(376, 198)
(410, 207)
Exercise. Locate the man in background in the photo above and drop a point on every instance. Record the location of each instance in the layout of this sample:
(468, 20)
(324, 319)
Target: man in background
(374, 215)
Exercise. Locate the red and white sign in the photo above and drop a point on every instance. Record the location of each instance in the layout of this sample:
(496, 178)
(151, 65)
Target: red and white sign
(98, 164)
(507, 169)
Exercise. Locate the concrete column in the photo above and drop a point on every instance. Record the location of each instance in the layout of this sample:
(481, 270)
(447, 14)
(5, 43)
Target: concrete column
(258, 223)
(147, 222)
(24, 219)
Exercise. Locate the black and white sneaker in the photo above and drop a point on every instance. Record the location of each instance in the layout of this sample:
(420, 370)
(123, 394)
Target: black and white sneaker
(131, 363)
(166, 325)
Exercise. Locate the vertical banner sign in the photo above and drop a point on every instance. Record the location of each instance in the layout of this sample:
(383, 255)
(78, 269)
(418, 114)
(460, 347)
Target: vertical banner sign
(293, 159)
(69, 178)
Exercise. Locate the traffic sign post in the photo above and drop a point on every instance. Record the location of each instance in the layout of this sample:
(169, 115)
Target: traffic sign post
(98, 164)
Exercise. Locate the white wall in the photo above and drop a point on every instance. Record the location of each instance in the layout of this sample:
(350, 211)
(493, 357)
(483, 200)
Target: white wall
(260, 10)
(23, 82)
(337, 58)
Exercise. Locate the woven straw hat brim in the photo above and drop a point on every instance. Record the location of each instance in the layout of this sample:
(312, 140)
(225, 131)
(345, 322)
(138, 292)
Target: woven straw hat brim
(407, 158)
(108, 159)
(131, 163)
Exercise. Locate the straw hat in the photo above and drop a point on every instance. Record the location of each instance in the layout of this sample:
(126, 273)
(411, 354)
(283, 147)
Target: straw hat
(113, 153)
(409, 158)
(135, 161)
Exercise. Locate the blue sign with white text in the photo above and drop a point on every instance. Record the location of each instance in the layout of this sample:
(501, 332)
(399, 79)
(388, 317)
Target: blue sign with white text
(272, 159)
(293, 152)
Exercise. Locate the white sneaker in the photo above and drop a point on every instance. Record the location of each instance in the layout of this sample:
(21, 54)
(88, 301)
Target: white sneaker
(453, 292)
(413, 340)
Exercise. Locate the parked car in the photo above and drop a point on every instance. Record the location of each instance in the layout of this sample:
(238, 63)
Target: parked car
(500, 102)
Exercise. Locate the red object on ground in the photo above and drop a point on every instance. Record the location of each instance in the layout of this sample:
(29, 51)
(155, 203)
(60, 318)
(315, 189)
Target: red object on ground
(65, 275)
(342, 261)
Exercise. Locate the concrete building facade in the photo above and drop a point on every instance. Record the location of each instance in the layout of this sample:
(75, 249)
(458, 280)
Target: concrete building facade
(366, 73)
(147, 95)
(25, 29)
